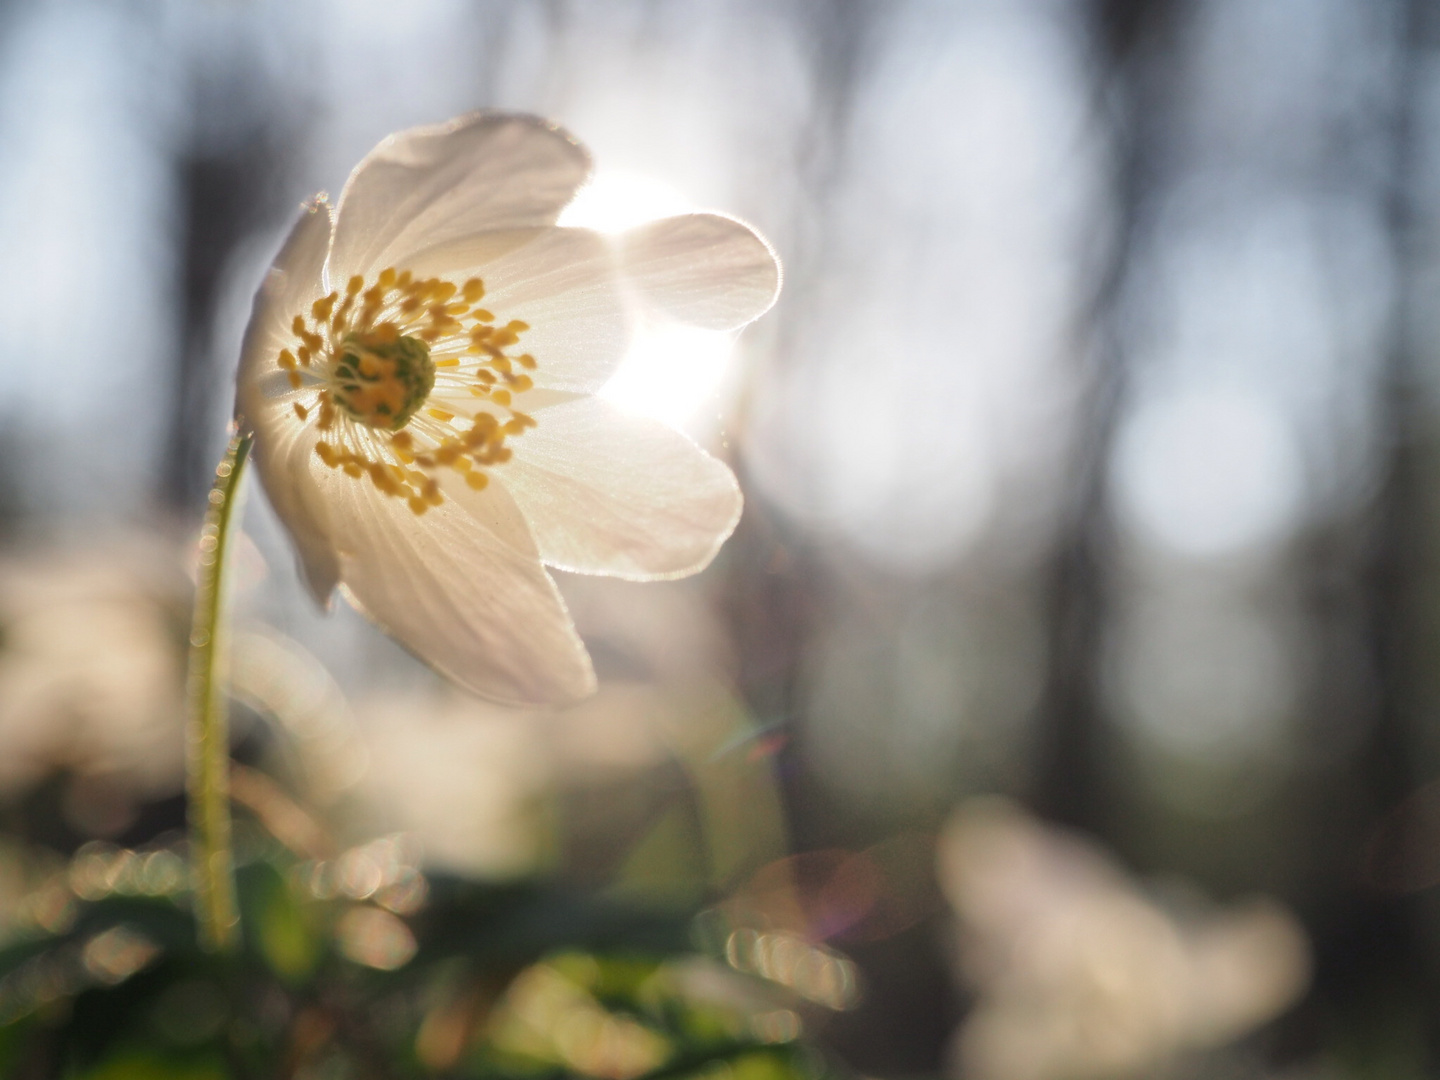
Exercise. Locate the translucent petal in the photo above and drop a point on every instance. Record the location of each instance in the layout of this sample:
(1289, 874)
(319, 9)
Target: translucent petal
(703, 269)
(563, 283)
(292, 282)
(487, 170)
(462, 587)
(265, 399)
(608, 493)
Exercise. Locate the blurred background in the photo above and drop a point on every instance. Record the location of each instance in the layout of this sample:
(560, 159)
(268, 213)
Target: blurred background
(1073, 679)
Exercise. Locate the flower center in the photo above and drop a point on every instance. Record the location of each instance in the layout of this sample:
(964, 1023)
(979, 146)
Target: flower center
(382, 376)
(411, 377)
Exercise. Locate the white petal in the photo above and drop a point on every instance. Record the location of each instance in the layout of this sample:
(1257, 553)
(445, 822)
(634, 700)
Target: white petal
(417, 188)
(264, 399)
(291, 283)
(563, 282)
(462, 587)
(608, 493)
(703, 269)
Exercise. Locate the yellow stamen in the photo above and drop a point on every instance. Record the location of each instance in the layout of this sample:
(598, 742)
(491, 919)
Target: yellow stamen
(359, 339)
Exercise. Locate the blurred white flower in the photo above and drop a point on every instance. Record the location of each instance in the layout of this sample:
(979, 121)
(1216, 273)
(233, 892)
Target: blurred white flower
(1080, 974)
(468, 780)
(430, 453)
(91, 668)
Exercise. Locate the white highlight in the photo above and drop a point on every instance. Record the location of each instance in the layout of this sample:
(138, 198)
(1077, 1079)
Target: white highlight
(615, 201)
(671, 370)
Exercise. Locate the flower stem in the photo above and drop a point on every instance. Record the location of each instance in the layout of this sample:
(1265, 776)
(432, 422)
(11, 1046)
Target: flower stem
(208, 730)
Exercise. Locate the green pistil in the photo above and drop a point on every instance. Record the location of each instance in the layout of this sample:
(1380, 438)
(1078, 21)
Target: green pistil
(380, 381)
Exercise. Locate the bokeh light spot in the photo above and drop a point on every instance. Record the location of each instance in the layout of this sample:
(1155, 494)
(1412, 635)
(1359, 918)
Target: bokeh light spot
(1209, 472)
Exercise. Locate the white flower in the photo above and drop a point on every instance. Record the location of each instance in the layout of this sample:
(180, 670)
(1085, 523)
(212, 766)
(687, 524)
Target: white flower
(91, 667)
(1081, 975)
(420, 375)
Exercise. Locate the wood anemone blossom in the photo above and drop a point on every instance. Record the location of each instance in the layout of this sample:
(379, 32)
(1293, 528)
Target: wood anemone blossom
(420, 373)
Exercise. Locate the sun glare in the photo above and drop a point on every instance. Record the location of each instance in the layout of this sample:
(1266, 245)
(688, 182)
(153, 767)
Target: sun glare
(671, 370)
(613, 201)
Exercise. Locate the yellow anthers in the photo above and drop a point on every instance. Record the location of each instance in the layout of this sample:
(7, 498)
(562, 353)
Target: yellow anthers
(372, 345)
(380, 476)
(342, 314)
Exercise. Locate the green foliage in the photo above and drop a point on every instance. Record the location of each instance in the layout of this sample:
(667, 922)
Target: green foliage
(464, 979)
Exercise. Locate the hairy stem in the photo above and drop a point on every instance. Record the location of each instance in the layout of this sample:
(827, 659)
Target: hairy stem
(208, 730)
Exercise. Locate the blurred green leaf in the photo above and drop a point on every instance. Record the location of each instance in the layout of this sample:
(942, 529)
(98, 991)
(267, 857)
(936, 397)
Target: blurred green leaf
(150, 1065)
(277, 924)
(668, 865)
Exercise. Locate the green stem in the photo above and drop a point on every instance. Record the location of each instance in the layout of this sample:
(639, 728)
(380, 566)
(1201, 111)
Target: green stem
(208, 731)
